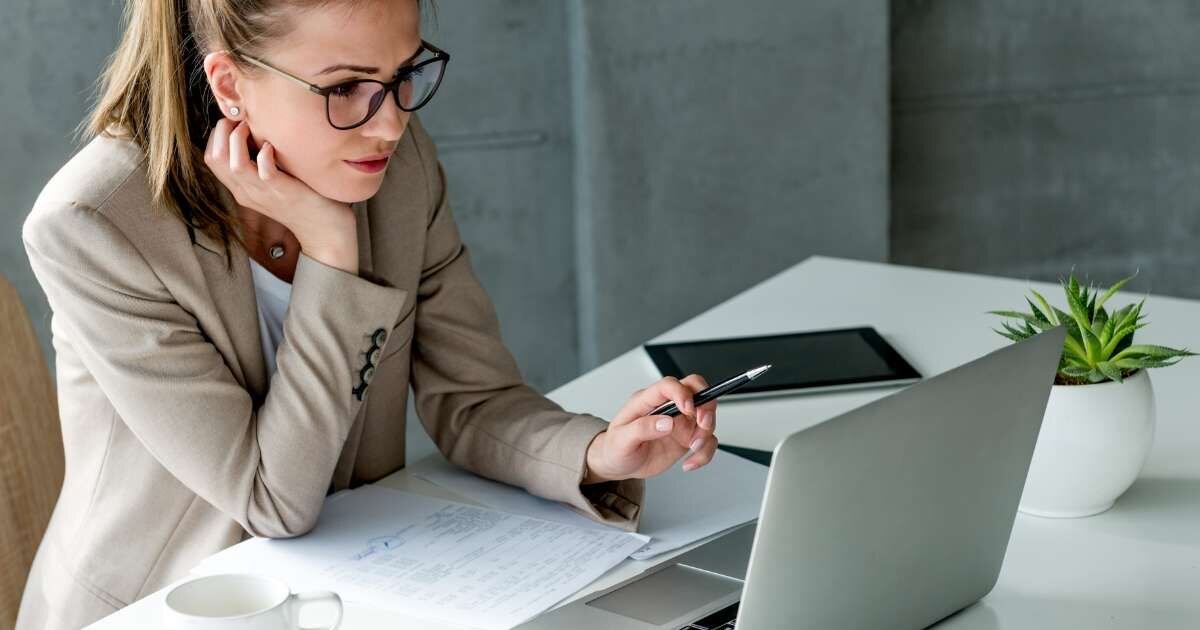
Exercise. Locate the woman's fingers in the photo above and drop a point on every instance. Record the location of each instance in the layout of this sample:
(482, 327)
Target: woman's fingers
(218, 141)
(695, 382)
(239, 155)
(702, 453)
(706, 414)
(672, 389)
(705, 417)
(210, 143)
(266, 162)
(646, 400)
(649, 428)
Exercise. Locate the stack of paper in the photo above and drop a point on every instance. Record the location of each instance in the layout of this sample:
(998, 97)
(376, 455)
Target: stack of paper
(433, 559)
(680, 507)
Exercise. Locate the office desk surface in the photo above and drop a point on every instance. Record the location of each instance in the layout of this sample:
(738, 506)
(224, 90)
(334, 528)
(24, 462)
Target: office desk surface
(1135, 566)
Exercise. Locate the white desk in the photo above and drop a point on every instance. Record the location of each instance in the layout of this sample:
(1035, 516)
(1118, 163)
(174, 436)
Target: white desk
(1135, 566)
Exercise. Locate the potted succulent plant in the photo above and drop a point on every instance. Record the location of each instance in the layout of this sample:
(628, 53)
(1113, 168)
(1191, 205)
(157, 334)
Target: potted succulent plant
(1099, 421)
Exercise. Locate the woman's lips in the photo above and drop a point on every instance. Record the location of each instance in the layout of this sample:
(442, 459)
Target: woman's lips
(369, 166)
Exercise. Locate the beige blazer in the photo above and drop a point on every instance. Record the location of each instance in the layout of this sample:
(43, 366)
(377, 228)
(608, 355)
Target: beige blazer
(177, 445)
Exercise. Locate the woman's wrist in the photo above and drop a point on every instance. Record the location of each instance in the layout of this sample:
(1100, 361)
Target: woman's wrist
(594, 461)
(338, 249)
(342, 258)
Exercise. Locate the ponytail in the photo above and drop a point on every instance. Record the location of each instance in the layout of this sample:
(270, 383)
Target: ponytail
(153, 92)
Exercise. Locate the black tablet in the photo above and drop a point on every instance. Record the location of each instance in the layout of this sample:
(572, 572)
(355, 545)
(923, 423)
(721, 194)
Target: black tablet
(802, 362)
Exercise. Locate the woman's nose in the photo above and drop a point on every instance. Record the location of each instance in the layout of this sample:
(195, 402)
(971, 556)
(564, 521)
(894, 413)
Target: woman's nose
(388, 123)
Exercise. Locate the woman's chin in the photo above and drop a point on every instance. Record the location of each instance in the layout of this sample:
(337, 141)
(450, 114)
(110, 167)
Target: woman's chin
(353, 194)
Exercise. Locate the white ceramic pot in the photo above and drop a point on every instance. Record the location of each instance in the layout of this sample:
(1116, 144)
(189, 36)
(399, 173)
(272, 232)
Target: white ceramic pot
(1093, 443)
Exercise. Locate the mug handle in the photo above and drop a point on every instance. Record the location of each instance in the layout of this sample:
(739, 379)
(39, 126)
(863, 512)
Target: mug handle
(301, 600)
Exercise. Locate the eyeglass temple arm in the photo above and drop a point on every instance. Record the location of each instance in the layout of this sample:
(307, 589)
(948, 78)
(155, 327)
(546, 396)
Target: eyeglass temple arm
(263, 64)
(434, 49)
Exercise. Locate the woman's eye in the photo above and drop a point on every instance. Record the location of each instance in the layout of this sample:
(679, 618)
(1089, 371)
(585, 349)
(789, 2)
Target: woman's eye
(345, 90)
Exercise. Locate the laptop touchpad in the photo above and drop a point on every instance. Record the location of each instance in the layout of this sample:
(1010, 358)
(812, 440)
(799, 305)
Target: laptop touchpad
(667, 594)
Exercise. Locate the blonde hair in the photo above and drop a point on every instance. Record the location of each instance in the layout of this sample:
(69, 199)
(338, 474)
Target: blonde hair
(154, 92)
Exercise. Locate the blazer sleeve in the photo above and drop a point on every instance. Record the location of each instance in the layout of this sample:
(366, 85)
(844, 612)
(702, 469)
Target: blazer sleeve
(267, 468)
(469, 393)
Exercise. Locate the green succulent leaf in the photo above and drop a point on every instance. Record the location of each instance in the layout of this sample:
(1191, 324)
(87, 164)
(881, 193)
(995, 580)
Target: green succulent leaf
(1007, 335)
(1099, 344)
(1100, 324)
(1114, 288)
(1082, 321)
(1063, 316)
(1074, 348)
(1025, 317)
(1016, 332)
(1077, 372)
(1049, 312)
(1136, 364)
(1037, 312)
(1118, 318)
(1152, 352)
(1110, 348)
(1111, 371)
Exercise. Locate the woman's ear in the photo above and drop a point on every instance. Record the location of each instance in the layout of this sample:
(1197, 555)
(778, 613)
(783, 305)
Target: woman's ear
(224, 78)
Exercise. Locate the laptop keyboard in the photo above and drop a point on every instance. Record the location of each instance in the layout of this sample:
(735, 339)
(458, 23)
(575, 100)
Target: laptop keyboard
(721, 620)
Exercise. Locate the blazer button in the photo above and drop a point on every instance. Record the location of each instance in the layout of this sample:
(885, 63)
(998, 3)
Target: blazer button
(373, 357)
(379, 337)
(367, 374)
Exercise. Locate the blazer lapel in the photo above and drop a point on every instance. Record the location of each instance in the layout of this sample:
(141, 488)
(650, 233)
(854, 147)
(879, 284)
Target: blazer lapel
(232, 293)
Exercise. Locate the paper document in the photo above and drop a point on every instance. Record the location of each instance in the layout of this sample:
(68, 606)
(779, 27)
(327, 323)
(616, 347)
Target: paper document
(680, 507)
(433, 559)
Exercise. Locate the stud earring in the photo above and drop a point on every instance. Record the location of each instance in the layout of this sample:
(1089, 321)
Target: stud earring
(234, 110)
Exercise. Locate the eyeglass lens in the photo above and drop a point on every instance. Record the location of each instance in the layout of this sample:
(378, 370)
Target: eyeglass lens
(353, 102)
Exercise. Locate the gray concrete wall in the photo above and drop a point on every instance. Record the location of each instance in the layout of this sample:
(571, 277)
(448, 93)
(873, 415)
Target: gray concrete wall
(711, 147)
(718, 143)
(502, 123)
(1030, 138)
(53, 51)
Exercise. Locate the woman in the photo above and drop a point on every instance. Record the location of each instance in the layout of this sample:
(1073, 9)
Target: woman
(247, 270)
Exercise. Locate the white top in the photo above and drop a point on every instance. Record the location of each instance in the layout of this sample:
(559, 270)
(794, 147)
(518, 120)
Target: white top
(273, 296)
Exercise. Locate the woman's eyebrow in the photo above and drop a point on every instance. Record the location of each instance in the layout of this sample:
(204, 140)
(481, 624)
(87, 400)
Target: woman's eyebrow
(367, 69)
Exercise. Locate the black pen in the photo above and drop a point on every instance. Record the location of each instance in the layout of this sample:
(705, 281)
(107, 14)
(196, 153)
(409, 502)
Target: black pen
(716, 391)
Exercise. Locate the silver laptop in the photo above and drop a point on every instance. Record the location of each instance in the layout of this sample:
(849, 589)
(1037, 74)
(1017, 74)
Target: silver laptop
(894, 515)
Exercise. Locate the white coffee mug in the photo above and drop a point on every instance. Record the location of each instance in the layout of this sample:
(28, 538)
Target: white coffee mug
(243, 602)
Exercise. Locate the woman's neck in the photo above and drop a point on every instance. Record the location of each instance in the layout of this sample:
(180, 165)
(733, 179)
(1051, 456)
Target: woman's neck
(262, 234)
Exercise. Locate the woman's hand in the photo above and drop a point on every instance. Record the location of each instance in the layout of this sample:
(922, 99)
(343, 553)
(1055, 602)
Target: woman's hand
(325, 228)
(638, 446)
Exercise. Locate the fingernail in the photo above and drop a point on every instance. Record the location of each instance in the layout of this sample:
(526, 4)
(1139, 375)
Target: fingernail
(691, 407)
(697, 444)
(663, 424)
(689, 467)
(705, 419)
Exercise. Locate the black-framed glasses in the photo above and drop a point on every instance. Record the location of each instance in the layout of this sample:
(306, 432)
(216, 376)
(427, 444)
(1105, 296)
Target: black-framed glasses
(352, 103)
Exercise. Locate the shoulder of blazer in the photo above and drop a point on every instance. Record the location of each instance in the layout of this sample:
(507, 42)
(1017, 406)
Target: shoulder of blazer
(85, 183)
(107, 177)
(94, 173)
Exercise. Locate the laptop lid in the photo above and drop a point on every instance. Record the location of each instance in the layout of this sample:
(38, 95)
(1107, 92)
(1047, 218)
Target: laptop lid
(898, 514)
